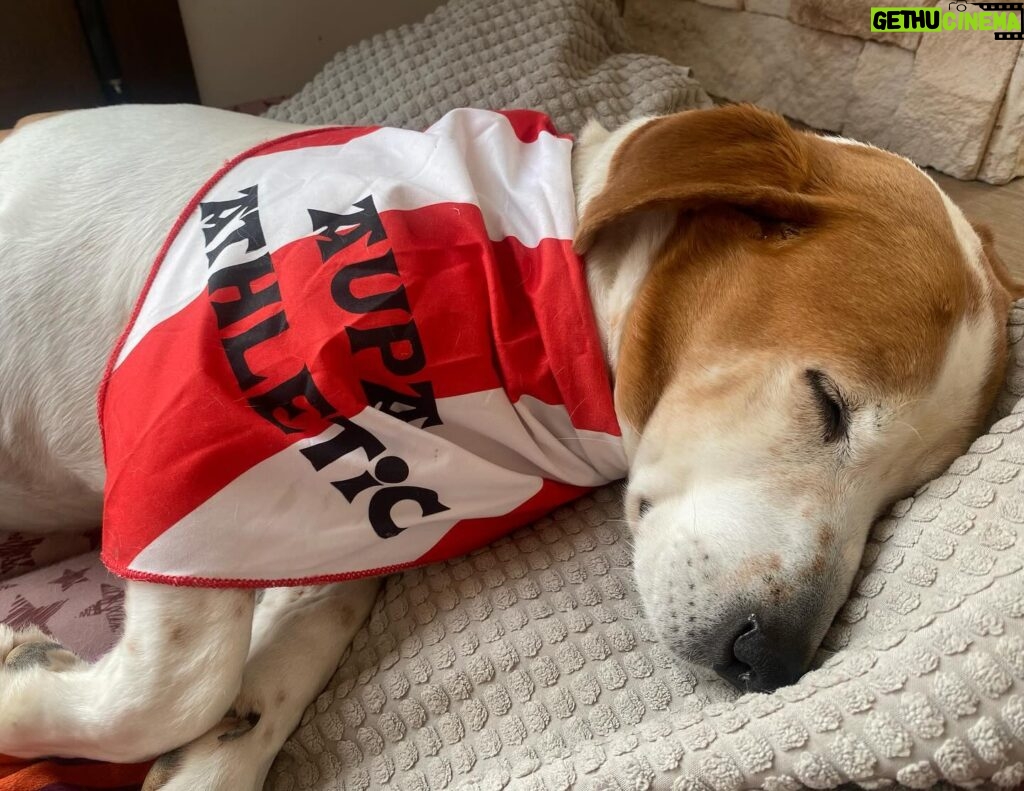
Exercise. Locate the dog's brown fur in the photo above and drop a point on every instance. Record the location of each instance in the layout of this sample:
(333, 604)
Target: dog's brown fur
(784, 213)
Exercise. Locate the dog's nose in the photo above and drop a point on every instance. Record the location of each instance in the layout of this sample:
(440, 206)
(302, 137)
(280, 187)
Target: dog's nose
(763, 659)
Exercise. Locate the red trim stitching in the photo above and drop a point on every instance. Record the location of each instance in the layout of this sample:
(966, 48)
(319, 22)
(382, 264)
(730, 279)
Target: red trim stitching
(212, 582)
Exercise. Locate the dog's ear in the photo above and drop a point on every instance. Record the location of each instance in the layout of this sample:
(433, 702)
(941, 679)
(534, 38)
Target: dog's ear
(736, 155)
(1010, 284)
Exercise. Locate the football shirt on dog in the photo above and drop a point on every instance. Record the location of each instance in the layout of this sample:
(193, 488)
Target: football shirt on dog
(359, 350)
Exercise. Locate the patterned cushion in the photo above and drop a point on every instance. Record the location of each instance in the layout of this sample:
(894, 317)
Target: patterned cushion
(46, 581)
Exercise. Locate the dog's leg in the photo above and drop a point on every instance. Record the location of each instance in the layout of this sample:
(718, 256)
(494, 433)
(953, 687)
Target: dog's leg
(299, 635)
(169, 679)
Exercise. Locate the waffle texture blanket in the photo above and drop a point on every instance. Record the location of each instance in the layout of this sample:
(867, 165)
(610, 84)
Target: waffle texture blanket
(528, 665)
(567, 58)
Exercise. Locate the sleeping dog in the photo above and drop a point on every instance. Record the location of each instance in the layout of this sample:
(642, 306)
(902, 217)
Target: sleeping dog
(798, 330)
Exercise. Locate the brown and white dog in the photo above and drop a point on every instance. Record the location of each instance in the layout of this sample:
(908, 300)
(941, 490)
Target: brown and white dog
(801, 330)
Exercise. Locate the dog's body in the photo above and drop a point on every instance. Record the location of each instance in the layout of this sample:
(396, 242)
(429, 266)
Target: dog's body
(801, 329)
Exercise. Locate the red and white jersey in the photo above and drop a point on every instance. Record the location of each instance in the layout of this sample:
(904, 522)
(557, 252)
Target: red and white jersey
(360, 349)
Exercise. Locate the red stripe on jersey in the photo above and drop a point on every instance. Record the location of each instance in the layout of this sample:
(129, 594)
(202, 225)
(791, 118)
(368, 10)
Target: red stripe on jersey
(470, 534)
(176, 433)
(528, 124)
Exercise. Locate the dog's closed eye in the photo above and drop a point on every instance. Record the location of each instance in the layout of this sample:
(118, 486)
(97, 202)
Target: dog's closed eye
(835, 412)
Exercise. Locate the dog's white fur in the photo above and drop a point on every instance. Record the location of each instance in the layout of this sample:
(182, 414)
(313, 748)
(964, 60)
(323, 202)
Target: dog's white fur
(739, 509)
(85, 201)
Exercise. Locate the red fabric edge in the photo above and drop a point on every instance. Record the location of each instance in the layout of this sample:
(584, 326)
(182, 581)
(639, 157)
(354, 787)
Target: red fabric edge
(208, 582)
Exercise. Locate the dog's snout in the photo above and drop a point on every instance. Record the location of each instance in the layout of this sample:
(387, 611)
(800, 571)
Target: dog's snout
(762, 659)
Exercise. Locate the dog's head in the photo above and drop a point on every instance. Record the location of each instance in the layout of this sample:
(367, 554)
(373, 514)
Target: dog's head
(802, 330)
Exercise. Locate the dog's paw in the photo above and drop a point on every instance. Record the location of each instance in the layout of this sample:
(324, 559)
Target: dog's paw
(228, 757)
(32, 648)
(28, 660)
